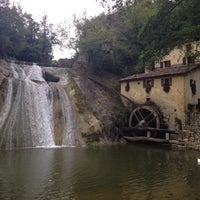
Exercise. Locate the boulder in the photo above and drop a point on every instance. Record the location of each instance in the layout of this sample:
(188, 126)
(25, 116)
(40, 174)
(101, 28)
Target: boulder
(50, 77)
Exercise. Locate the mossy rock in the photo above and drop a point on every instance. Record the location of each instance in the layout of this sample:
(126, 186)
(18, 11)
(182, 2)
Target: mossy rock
(92, 138)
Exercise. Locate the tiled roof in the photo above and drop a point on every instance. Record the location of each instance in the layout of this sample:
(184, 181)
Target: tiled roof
(161, 72)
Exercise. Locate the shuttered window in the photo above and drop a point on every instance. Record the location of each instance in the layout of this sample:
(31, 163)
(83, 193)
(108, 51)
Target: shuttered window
(148, 83)
(167, 63)
(166, 81)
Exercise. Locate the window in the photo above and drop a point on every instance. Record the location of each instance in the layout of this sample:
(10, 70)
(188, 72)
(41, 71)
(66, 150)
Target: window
(167, 63)
(148, 84)
(193, 86)
(127, 87)
(198, 106)
(166, 83)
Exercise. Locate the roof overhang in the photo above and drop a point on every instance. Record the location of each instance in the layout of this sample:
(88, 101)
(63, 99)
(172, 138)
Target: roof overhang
(162, 72)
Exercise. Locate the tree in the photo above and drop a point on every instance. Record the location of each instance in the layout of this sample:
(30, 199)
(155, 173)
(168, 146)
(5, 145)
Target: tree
(134, 34)
(67, 35)
(45, 41)
(30, 50)
(175, 24)
(111, 40)
(113, 5)
(22, 38)
(11, 27)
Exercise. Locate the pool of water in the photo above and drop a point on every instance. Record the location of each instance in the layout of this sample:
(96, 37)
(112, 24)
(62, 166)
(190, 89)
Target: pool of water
(106, 173)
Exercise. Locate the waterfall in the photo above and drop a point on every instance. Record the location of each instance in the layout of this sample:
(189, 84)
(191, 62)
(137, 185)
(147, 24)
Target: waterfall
(35, 113)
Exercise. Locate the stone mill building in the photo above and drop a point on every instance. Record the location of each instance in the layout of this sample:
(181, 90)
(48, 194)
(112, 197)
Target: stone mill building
(173, 85)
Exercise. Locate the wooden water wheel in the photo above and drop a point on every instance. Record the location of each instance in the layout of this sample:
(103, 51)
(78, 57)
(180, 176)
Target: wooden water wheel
(145, 116)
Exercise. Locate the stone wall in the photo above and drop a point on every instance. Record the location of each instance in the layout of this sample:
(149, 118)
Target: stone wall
(191, 133)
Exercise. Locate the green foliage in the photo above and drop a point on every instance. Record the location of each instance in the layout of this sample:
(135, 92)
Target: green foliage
(136, 33)
(111, 40)
(96, 39)
(22, 38)
(122, 117)
(112, 5)
(174, 24)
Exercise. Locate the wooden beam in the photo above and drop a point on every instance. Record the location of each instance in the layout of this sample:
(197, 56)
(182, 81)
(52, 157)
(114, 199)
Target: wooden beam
(160, 130)
(156, 140)
(147, 139)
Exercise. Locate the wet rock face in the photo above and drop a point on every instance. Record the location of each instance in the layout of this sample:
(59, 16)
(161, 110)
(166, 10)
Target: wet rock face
(103, 104)
(4, 72)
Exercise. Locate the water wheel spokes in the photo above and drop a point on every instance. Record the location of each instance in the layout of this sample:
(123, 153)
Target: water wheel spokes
(136, 117)
(150, 121)
(139, 119)
(144, 116)
(143, 120)
(148, 116)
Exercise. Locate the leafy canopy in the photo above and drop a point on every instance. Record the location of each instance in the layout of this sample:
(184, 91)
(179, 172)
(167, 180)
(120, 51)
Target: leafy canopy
(135, 33)
(23, 38)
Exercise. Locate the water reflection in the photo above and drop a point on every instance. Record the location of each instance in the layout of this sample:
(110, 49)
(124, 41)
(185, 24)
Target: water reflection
(24, 173)
(118, 173)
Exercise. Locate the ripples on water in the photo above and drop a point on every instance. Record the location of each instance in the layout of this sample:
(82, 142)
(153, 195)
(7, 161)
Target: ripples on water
(109, 173)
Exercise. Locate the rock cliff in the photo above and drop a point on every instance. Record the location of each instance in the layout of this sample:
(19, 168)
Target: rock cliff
(97, 109)
(4, 74)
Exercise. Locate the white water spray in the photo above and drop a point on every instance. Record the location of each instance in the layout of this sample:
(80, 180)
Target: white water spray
(28, 116)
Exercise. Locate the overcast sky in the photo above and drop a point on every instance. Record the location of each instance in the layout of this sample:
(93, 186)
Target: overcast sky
(59, 10)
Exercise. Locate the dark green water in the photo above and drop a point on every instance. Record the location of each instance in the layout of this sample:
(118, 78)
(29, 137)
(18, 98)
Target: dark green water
(108, 173)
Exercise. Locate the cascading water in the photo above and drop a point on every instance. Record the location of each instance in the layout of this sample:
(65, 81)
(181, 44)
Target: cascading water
(35, 113)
